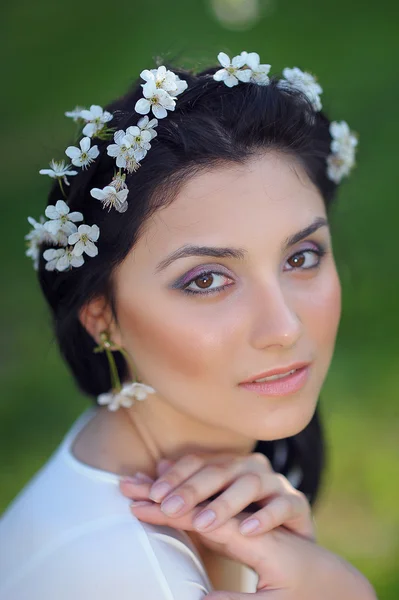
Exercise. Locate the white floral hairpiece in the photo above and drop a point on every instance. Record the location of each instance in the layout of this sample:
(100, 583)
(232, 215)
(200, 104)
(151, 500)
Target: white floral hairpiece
(129, 147)
(246, 67)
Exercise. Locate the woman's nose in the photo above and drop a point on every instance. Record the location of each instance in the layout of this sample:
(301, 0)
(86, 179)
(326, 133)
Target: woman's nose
(275, 321)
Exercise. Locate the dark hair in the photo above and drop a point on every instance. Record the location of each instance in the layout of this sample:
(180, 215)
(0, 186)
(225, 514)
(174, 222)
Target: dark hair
(212, 125)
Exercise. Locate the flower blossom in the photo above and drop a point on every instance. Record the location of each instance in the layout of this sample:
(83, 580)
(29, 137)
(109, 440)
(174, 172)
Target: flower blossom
(60, 259)
(60, 219)
(146, 125)
(260, 72)
(295, 78)
(123, 149)
(232, 72)
(83, 240)
(165, 80)
(343, 147)
(84, 156)
(58, 170)
(111, 196)
(141, 141)
(125, 396)
(75, 114)
(155, 99)
(95, 118)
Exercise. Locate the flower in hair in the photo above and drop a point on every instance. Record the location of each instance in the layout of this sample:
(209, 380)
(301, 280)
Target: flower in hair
(155, 99)
(75, 114)
(343, 146)
(95, 118)
(141, 141)
(123, 149)
(112, 197)
(84, 156)
(233, 72)
(259, 72)
(58, 170)
(295, 78)
(165, 80)
(129, 147)
(83, 240)
(61, 219)
(61, 259)
(146, 125)
(35, 237)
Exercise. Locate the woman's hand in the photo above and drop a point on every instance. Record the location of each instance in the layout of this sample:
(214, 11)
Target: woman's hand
(242, 479)
(289, 567)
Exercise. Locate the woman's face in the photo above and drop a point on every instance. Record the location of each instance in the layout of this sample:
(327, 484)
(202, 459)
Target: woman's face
(271, 307)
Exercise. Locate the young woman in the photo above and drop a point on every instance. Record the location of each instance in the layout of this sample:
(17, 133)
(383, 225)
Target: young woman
(200, 310)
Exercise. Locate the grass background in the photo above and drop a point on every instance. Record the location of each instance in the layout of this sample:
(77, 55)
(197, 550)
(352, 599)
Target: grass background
(56, 55)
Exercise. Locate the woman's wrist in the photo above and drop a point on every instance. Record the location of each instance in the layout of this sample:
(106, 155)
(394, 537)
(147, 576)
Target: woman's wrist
(343, 581)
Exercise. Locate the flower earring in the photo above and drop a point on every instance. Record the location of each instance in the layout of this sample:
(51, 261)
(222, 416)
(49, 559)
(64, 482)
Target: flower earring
(120, 395)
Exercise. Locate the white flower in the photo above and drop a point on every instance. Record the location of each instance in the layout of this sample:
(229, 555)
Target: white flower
(138, 390)
(123, 149)
(95, 119)
(75, 114)
(295, 78)
(83, 240)
(343, 146)
(147, 125)
(232, 73)
(155, 99)
(61, 259)
(61, 219)
(84, 156)
(35, 237)
(259, 72)
(164, 79)
(118, 182)
(111, 196)
(58, 170)
(125, 396)
(141, 141)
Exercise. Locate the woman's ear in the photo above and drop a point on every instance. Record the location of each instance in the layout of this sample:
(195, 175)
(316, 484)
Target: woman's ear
(96, 316)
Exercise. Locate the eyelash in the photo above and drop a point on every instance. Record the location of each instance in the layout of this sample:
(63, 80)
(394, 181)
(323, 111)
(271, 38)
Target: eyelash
(320, 252)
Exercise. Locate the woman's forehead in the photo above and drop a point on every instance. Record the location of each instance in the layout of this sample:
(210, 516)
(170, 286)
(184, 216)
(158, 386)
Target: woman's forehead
(269, 195)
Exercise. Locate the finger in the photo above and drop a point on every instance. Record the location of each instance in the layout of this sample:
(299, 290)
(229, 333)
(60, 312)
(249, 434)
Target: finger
(245, 490)
(152, 513)
(197, 472)
(287, 510)
(175, 475)
(137, 486)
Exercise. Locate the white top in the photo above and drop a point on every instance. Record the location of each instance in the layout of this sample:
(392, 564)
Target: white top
(70, 535)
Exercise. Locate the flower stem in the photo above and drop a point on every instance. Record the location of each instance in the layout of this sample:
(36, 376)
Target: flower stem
(115, 381)
(62, 187)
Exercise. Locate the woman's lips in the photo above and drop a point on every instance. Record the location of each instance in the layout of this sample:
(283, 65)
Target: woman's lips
(280, 387)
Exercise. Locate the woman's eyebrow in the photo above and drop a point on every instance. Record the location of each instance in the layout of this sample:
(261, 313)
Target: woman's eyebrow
(237, 253)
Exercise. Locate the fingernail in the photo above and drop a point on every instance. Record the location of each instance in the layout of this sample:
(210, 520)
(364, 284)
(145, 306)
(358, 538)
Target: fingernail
(137, 478)
(204, 519)
(140, 503)
(249, 526)
(159, 490)
(172, 505)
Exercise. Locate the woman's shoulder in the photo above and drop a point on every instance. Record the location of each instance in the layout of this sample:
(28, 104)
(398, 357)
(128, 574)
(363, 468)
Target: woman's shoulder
(105, 556)
(70, 533)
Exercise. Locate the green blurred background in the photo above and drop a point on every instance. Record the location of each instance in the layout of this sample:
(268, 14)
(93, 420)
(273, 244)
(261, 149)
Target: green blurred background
(57, 55)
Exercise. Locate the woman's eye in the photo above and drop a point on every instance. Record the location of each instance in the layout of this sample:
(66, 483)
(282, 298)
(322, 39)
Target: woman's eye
(204, 281)
(299, 260)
